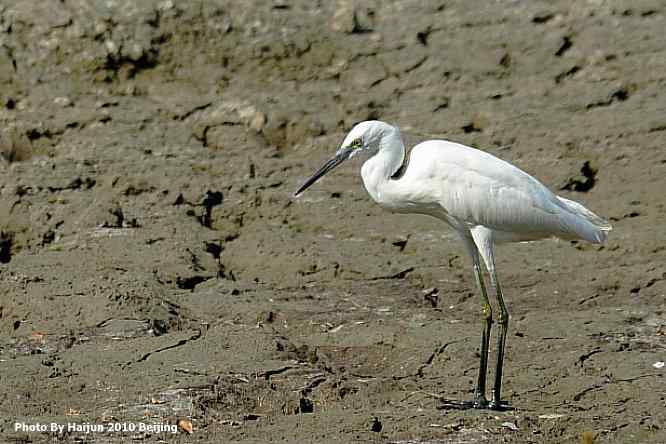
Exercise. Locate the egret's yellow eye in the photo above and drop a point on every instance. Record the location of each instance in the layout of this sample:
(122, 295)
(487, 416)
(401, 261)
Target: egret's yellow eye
(357, 143)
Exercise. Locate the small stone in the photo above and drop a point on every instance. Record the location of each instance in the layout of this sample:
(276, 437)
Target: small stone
(510, 425)
(245, 113)
(478, 123)
(258, 121)
(165, 5)
(343, 19)
(62, 101)
(350, 19)
(100, 27)
(185, 426)
(111, 47)
(136, 52)
(551, 416)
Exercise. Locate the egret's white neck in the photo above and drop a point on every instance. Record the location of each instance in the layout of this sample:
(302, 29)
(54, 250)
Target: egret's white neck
(377, 171)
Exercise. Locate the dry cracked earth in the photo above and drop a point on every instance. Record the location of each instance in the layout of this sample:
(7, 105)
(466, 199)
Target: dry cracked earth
(154, 267)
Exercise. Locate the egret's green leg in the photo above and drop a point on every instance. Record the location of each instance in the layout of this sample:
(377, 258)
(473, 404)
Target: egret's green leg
(496, 402)
(480, 400)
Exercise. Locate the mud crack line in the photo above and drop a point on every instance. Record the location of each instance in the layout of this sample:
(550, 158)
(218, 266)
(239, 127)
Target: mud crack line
(399, 275)
(428, 362)
(180, 343)
(438, 351)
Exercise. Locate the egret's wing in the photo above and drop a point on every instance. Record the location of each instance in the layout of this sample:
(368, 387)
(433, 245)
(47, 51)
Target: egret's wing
(503, 203)
(480, 189)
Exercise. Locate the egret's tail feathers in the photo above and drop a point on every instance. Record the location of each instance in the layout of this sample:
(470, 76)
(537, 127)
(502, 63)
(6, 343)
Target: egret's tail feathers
(585, 223)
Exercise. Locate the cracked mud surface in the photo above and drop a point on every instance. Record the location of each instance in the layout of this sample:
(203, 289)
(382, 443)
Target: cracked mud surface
(154, 266)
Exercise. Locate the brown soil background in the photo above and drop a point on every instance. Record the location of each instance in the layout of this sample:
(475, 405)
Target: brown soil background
(155, 267)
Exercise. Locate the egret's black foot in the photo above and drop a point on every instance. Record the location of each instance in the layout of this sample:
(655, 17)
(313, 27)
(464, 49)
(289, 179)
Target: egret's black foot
(477, 403)
(499, 406)
(480, 402)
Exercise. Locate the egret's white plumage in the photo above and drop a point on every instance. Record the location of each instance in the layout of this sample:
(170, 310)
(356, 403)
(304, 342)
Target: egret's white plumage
(485, 199)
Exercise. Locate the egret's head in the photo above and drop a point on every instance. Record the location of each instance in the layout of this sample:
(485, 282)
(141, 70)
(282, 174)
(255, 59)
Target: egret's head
(365, 136)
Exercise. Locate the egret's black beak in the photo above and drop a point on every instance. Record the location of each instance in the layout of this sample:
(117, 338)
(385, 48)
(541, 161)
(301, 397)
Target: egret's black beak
(342, 155)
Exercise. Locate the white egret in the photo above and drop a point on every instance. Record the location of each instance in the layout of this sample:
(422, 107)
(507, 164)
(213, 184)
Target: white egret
(484, 199)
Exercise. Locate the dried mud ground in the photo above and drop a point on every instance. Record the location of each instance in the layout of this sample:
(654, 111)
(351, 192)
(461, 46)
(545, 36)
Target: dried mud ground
(154, 266)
